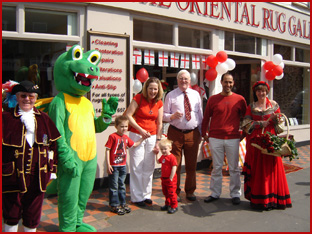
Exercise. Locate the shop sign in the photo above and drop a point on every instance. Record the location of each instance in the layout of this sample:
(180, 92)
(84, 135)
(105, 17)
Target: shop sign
(246, 14)
(114, 70)
(253, 17)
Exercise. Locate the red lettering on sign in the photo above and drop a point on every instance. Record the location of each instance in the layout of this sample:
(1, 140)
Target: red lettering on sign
(253, 7)
(181, 8)
(225, 8)
(212, 8)
(237, 4)
(245, 15)
(292, 27)
(305, 31)
(281, 28)
(161, 4)
(266, 17)
(195, 5)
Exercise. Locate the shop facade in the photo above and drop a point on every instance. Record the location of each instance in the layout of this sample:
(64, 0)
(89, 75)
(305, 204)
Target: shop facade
(164, 37)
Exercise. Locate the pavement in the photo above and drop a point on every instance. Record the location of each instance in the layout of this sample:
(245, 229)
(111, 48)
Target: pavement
(198, 216)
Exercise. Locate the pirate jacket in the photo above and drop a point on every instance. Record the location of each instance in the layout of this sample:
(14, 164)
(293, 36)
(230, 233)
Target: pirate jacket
(19, 159)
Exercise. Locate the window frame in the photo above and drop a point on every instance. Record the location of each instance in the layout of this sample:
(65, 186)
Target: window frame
(20, 23)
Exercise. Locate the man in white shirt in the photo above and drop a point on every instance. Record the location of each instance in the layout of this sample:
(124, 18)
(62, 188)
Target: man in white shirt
(183, 110)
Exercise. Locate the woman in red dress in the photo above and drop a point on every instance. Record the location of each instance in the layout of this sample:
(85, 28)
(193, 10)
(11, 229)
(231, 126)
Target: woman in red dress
(265, 183)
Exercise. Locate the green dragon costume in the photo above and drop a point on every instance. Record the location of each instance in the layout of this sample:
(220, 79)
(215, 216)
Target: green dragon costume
(74, 116)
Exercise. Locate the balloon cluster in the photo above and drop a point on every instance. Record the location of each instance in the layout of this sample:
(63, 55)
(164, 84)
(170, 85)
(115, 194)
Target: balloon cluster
(142, 76)
(274, 68)
(219, 65)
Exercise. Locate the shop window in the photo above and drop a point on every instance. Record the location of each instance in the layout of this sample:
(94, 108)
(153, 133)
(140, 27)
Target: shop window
(189, 37)
(8, 18)
(228, 42)
(244, 43)
(52, 22)
(193, 37)
(19, 58)
(258, 45)
(152, 32)
(285, 51)
(302, 55)
(292, 93)
(206, 40)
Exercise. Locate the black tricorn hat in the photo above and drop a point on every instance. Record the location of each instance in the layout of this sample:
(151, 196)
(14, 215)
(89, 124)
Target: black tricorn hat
(27, 87)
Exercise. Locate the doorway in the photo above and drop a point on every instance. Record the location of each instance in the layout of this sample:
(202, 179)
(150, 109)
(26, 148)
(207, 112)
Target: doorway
(245, 75)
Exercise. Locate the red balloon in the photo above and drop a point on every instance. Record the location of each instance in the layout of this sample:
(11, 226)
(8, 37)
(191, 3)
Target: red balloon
(221, 56)
(142, 75)
(277, 70)
(212, 61)
(269, 75)
(269, 65)
(211, 74)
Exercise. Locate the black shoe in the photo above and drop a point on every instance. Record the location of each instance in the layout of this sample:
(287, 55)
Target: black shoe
(210, 199)
(141, 203)
(148, 201)
(191, 197)
(165, 207)
(172, 210)
(235, 200)
(178, 198)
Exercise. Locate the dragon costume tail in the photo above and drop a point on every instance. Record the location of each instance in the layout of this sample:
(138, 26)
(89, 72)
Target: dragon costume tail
(43, 104)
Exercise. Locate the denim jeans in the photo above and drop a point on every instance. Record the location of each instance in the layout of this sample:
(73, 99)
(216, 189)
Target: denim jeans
(117, 187)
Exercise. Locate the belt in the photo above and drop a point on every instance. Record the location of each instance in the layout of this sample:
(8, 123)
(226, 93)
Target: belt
(183, 130)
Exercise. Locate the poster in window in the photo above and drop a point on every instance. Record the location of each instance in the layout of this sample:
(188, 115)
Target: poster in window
(114, 77)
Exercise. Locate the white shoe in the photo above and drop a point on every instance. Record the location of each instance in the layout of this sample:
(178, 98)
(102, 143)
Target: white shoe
(26, 229)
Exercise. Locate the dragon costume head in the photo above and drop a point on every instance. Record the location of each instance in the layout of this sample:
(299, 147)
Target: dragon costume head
(75, 71)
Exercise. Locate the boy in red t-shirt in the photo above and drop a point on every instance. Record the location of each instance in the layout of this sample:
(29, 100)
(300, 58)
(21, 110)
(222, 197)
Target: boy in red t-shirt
(116, 156)
(168, 176)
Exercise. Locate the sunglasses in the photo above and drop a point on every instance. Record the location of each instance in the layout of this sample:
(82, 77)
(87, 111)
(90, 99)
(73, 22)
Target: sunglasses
(30, 96)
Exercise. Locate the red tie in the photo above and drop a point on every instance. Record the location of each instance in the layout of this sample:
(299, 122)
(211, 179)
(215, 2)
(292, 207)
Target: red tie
(187, 107)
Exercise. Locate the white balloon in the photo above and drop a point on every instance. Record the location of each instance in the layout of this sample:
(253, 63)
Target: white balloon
(230, 63)
(193, 79)
(279, 77)
(222, 68)
(277, 59)
(282, 65)
(137, 86)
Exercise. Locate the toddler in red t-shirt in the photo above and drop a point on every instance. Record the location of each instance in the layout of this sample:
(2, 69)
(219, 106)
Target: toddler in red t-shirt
(168, 176)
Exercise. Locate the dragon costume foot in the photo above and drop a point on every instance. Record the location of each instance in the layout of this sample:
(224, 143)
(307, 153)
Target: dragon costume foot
(85, 228)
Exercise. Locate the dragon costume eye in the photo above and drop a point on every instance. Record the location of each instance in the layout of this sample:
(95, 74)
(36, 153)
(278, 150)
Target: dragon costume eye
(77, 53)
(94, 57)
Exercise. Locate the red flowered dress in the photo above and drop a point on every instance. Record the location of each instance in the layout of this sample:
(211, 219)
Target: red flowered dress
(265, 183)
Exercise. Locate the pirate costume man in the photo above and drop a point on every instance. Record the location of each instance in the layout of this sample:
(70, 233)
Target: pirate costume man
(29, 157)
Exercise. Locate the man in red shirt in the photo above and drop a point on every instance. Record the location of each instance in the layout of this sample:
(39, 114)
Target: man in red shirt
(222, 117)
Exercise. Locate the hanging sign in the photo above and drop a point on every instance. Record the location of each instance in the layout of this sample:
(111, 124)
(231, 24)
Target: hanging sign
(114, 77)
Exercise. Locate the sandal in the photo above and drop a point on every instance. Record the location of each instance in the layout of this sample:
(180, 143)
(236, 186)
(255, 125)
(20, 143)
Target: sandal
(117, 210)
(126, 208)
